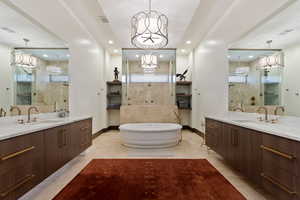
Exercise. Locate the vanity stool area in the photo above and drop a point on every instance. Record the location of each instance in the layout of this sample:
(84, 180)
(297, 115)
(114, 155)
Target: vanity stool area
(28, 159)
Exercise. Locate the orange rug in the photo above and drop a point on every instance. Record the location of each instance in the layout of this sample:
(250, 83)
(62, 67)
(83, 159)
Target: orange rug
(149, 179)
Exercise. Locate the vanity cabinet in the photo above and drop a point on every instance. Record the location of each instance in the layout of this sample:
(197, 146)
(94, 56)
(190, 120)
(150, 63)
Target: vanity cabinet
(21, 165)
(267, 160)
(27, 160)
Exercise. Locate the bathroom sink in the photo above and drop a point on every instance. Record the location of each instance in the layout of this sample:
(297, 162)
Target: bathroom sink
(245, 121)
(47, 121)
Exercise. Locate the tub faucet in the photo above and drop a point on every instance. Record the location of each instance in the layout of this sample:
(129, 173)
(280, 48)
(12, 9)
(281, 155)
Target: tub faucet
(266, 112)
(29, 112)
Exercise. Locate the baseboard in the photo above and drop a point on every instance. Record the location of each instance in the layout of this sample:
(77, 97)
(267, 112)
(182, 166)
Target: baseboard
(104, 130)
(194, 130)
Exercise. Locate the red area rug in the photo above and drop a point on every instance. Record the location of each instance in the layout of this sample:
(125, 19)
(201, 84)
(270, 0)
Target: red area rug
(149, 179)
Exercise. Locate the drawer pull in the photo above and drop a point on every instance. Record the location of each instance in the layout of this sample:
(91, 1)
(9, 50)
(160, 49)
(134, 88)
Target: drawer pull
(18, 185)
(17, 153)
(284, 155)
(274, 182)
(84, 128)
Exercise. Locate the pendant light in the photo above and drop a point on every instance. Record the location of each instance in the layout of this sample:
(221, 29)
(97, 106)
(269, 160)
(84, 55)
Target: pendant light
(26, 61)
(271, 61)
(149, 29)
(149, 61)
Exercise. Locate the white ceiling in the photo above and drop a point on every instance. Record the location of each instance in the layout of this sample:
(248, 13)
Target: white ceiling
(179, 13)
(283, 28)
(163, 55)
(247, 55)
(14, 26)
(49, 54)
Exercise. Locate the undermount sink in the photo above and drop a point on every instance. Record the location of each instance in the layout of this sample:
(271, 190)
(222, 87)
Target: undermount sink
(245, 121)
(46, 121)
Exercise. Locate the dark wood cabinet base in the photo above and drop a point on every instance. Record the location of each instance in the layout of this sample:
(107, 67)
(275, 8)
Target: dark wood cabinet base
(267, 160)
(27, 160)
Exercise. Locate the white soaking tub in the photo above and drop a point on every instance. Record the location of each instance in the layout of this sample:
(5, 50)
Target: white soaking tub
(150, 135)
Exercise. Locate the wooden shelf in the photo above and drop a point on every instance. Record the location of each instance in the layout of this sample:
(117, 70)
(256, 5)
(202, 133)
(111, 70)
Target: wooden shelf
(184, 83)
(183, 95)
(109, 107)
(114, 83)
(185, 108)
(114, 95)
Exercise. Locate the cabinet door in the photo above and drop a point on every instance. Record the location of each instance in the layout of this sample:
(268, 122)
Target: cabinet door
(254, 155)
(21, 164)
(54, 142)
(212, 134)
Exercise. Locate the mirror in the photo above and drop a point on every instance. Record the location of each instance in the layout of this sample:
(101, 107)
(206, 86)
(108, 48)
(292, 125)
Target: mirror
(35, 77)
(33, 65)
(274, 44)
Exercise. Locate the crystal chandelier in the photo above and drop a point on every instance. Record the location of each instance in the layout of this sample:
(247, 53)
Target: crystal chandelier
(149, 29)
(271, 61)
(149, 61)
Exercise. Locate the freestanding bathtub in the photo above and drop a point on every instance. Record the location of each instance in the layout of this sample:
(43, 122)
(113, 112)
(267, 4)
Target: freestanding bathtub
(150, 135)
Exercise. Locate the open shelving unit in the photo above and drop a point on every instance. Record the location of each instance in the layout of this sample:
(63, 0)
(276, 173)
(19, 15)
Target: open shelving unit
(114, 95)
(184, 95)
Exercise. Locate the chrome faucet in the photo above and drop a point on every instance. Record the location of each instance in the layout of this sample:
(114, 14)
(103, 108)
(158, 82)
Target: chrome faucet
(29, 112)
(278, 108)
(12, 108)
(266, 112)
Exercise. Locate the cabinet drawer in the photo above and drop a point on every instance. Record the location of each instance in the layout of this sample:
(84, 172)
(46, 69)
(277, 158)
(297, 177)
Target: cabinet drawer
(282, 152)
(21, 164)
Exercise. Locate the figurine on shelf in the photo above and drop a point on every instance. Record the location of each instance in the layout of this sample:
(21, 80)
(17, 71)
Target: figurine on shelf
(182, 76)
(116, 73)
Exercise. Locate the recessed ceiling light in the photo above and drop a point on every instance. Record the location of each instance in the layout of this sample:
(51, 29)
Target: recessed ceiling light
(116, 50)
(188, 42)
(45, 56)
(110, 42)
(228, 56)
(161, 56)
(137, 55)
(251, 56)
(183, 50)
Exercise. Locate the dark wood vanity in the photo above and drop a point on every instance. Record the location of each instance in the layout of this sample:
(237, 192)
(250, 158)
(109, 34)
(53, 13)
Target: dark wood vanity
(27, 160)
(267, 160)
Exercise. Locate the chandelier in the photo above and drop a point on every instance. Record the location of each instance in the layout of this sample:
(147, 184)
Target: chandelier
(271, 61)
(26, 61)
(149, 29)
(149, 62)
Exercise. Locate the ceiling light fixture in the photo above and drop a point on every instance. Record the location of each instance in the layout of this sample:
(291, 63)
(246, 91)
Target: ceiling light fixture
(251, 56)
(188, 42)
(161, 56)
(110, 42)
(116, 50)
(183, 50)
(149, 61)
(45, 56)
(149, 29)
(271, 61)
(26, 61)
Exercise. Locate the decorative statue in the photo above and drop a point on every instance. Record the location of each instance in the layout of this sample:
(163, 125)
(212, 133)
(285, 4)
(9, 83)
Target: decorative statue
(182, 76)
(116, 73)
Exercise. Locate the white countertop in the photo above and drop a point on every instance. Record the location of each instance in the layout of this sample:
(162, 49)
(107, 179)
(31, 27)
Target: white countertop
(9, 127)
(287, 127)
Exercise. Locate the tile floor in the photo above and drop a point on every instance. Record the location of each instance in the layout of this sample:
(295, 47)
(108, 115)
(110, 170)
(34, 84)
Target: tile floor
(108, 145)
